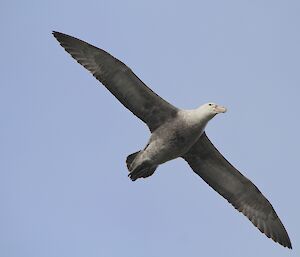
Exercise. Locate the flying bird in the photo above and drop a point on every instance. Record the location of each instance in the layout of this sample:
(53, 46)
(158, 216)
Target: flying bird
(176, 133)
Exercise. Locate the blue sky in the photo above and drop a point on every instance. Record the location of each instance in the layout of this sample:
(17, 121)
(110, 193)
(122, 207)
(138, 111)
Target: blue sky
(64, 189)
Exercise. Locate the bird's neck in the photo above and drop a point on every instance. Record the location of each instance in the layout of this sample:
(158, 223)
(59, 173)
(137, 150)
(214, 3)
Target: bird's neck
(197, 118)
(201, 116)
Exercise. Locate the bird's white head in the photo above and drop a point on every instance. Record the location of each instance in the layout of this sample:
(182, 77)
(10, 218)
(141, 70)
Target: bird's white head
(211, 109)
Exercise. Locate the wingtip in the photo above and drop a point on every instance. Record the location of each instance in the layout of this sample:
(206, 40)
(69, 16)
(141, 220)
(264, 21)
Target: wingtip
(289, 245)
(56, 34)
(286, 244)
(283, 240)
(59, 36)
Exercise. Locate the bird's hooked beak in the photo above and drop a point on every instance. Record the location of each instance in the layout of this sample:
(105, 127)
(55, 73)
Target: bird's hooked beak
(220, 109)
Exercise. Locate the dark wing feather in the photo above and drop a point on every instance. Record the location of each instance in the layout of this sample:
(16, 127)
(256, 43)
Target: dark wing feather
(120, 81)
(216, 171)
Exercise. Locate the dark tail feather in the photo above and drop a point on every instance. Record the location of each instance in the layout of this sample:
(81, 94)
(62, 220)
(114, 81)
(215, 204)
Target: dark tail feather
(130, 158)
(141, 172)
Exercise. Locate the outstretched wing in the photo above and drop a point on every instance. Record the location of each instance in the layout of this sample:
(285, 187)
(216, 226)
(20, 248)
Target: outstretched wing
(120, 81)
(216, 171)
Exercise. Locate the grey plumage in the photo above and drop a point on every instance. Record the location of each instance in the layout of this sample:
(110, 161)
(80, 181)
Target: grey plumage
(120, 81)
(176, 133)
(216, 171)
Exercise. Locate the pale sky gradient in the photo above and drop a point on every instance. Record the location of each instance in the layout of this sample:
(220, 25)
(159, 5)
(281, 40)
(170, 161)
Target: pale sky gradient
(64, 190)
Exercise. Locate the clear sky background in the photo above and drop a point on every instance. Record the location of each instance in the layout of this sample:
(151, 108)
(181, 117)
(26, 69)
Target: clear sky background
(64, 189)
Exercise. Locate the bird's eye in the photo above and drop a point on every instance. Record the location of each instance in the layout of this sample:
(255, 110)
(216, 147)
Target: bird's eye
(210, 104)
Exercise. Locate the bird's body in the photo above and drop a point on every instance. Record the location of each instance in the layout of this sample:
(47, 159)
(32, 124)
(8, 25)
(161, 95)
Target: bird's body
(175, 137)
(172, 139)
(176, 133)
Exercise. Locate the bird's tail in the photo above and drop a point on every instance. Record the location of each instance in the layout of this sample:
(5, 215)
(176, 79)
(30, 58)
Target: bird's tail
(130, 158)
(143, 170)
